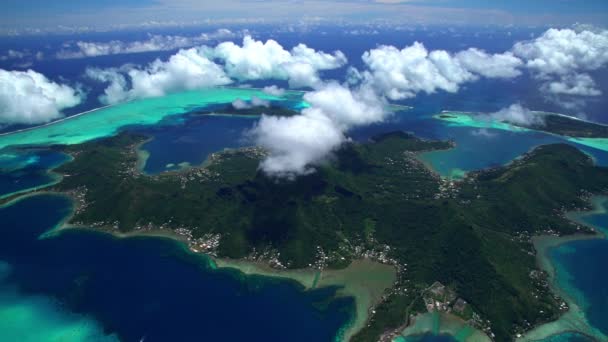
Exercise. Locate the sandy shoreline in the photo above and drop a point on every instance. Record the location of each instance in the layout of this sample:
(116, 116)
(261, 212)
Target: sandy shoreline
(574, 319)
(365, 280)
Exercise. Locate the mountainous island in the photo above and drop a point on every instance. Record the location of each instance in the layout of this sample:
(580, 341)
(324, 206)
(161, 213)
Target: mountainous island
(462, 247)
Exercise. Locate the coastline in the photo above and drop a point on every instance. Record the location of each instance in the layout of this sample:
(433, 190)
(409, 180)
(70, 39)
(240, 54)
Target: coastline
(310, 278)
(363, 279)
(573, 320)
(442, 323)
(56, 178)
(111, 105)
(56, 121)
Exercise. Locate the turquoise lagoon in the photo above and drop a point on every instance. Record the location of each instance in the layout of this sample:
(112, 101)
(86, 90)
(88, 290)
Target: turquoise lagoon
(481, 144)
(181, 138)
(108, 121)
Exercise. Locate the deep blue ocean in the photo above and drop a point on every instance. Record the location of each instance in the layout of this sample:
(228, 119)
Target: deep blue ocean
(23, 170)
(583, 269)
(150, 287)
(153, 288)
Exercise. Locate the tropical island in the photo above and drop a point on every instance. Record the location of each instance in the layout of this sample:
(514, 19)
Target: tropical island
(373, 201)
(553, 123)
(230, 109)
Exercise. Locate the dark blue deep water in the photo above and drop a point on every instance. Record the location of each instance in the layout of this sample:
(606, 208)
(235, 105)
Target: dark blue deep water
(153, 287)
(192, 140)
(583, 266)
(26, 169)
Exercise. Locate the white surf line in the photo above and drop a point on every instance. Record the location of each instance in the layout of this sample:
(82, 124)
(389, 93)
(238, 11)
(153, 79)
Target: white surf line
(55, 122)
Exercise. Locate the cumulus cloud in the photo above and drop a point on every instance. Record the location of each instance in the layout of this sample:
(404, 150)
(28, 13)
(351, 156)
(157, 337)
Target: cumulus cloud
(515, 114)
(257, 60)
(254, 102)
(503, 65)
(297, 143)
(401, 74)
(82, 49)
(563, 51)
(273, 90)
(577, 85)
(28, 97)
(561, 58)
(186, 70)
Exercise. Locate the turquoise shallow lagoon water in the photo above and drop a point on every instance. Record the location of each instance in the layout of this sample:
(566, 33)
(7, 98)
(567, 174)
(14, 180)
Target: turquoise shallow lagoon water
(581, 267)
(102, 278)
(483, 144)
(109, 120)
(26, 318)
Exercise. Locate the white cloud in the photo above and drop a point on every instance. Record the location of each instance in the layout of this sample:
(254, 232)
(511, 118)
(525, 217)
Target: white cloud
(561, 58)
(564, 51)
(577, 85)
(503, 65)
(483, 132)
(82, 49)
(297, 143)
(515, 114)
(28, 97)
(240, 104)
(21, 54)
(401, 74)
(116, 91)
(257, 60)
(186, 70)
(255, 102)
(274, 90)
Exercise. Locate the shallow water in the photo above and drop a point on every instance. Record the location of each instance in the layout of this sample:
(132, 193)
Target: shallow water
(481, 144)
(581, 267)
(568, 337)
(152, 287)
(37, 318)
(109, 120)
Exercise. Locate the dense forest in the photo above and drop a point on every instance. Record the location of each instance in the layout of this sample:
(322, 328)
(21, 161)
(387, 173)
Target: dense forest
(472, 235)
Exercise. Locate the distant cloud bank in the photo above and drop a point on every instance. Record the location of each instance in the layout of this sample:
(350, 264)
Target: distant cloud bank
(204, 67)
(560, 60)
(82, 49)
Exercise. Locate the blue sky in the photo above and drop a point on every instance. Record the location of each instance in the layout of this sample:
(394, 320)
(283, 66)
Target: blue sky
(19, 14)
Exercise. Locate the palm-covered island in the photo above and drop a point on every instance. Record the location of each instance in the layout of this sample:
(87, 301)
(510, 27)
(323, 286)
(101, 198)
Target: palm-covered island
(317, 171)
(463, 247)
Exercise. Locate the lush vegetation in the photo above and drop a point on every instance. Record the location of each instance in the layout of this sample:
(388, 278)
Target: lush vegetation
(471, 236)
(271, 110)
(563, 125)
